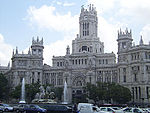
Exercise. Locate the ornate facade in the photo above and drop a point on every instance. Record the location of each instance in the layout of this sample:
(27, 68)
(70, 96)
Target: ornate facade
(87, 62)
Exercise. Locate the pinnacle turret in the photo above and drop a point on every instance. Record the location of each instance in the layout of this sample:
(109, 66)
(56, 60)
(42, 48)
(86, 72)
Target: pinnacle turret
(125, 34)
(37, 41)
(141, 41)
(16, 50)
(68, 50)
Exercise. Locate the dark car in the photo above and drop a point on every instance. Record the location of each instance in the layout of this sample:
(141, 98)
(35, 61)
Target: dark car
(57, 108)
(34, 109)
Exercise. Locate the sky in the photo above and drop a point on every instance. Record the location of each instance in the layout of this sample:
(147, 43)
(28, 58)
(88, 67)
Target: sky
(57, 21)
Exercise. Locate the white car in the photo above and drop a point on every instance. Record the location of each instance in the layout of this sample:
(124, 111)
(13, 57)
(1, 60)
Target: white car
(132, 110)
(7, 107)
(89, 108)
(110, 109)
(2, 109)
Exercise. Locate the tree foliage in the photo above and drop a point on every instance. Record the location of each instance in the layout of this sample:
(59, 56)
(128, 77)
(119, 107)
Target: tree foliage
(4, 89)
(30, 91)
(108, 92)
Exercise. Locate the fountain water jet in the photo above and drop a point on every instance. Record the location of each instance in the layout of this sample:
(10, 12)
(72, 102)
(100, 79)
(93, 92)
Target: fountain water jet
(22, 92)
(65, 94)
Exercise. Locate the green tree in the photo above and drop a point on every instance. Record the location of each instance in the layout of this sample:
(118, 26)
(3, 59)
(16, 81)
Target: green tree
(121, 94)
(30, 91)
(4, 89)
(108, 91)
(16, 93)
(92, 91)
(58, 92)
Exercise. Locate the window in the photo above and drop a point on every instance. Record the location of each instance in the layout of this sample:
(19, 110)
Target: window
(76, 61)
(60, 63)
(123, 45)
(106, 61)
(57, 63)
(124, 78)
(85, 61)
(100, 49)
(136, 92)
(84, 48)
(103, 61)
(99, 61)
(82, 61)
(135, 77)
(147, 92)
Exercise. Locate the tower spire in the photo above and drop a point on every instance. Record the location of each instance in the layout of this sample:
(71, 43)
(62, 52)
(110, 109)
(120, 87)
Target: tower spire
(141, 41)
(68, 50)
(16, 50)
(13, 53)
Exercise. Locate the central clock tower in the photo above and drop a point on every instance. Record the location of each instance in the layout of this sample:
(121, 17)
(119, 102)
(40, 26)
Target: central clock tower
(87, 41)
(88, 22)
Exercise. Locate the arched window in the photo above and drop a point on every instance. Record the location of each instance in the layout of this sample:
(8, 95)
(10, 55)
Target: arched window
(84, 48)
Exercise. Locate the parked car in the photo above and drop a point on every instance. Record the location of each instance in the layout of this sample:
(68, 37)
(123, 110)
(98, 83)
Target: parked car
(2, 109)
(132, 110)
(19, 108)
(7, 107)
(110, 109)
(89, 108)
(147, 110)
(34, 109)
(57, 108)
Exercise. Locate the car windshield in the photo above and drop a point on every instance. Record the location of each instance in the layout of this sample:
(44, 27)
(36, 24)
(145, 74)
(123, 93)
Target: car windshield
(115, 108)
(6, 105)
(37, 106)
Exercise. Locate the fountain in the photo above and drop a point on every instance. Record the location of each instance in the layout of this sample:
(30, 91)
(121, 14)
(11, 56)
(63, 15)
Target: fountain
(22, 92)
(65, 94)
(44, 96)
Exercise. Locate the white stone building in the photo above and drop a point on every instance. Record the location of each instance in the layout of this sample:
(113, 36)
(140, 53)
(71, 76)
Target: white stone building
(87, 63)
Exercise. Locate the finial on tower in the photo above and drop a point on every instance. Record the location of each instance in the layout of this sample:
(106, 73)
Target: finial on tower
(68, 50)
(13, 53)
(82, 8)
(141, 41)
(16, 50)
(42, 40)
(126, 33)
(37, 38)
(8, 64)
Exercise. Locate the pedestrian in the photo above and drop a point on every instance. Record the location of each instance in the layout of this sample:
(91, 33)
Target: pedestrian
(75, 109)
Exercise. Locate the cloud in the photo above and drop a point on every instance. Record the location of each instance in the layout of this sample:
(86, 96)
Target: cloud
(5, 51)
(127, 11)
(102, 5)
(46, 17)
(66, 4)
(57, 48)
(137, 10)
(145, 33)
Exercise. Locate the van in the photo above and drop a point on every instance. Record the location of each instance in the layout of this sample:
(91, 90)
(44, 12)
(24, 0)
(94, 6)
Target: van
(88, 108)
